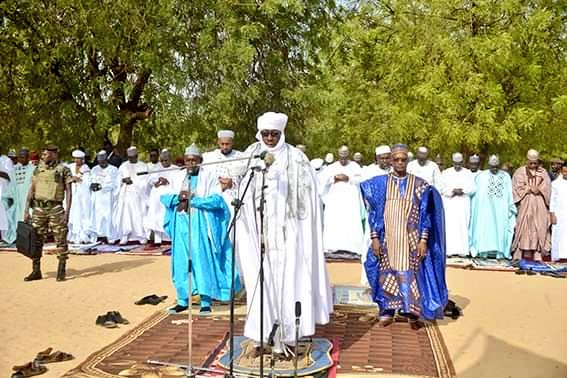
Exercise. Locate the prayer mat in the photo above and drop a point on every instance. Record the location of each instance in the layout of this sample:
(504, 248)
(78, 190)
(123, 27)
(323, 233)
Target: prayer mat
(364, 347)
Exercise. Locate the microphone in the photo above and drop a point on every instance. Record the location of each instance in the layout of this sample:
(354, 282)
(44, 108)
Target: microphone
(273, 333)
(269, 159)
(298, 309)
(261, 155)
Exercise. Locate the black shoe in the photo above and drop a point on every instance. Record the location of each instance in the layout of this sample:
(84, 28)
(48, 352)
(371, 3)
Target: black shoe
(104, 321)
(116, 317)
(177, 309)
(36, 271)
(151, 299)
(61, 268)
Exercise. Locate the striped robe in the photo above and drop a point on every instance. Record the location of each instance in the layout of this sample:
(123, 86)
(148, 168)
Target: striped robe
(401, 212)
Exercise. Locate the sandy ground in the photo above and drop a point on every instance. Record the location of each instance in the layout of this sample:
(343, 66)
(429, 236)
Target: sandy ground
(514, 326)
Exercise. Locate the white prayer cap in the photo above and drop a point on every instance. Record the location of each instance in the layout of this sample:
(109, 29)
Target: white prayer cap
(474, 159)
(78, 154)
(343, 151)
(164, 153)
(381, 150)
(317, 163)
(132, 151)
(101, 155)
(493, 161)
(272, 121)
(457, 157)
(12, 153)
(329, 158)
(192, 150)
(533, 155)
(423, 150)
(225, 134)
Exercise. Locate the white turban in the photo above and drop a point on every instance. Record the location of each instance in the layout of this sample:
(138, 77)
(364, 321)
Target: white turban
(131, 151)
(493, 161)
(357, 155)
(423, 150)
(271, 121)
(192, 150)
(329, 158)
(78, 154)
(317, 163)
(381, 150)
(457, 157)
(533, 155)
(225, 134)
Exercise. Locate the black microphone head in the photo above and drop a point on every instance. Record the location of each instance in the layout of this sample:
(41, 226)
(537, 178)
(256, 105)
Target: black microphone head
(263, 154)
(297, 309)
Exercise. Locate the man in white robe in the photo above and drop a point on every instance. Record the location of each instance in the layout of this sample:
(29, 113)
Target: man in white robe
(23, 173)
(558, 209)
(344, 210)
(457, 187)
(229, 174)
(105, 184)
(79, 226)
(162, 183)
(132, 200)
(381, 166)
(424, 168)
(6, 199)
(294, 264)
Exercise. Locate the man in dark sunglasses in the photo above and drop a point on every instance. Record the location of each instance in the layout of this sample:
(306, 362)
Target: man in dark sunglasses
(292, 240)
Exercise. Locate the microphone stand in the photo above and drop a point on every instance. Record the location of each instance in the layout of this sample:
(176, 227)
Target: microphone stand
(262, 256)
(237, 203)
(297, 316)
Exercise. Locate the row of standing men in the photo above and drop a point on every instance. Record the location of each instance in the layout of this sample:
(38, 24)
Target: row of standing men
(487, 212)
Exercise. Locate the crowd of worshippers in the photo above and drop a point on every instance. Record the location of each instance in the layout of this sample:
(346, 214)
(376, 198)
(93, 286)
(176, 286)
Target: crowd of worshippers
(491, 213)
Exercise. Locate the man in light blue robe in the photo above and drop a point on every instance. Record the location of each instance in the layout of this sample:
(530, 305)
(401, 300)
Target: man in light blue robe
(207, 233)
(493, 213)
(23, 174)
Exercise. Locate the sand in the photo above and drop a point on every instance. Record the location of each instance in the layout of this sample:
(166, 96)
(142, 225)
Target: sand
(514, 326)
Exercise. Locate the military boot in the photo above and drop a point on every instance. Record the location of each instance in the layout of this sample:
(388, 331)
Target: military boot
(36, 271)
(61, 268)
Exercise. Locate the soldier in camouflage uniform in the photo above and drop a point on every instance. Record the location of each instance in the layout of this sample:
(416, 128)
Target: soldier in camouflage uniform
(51, 184)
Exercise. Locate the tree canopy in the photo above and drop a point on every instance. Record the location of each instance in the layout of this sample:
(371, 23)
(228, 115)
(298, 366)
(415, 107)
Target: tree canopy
(475, 76)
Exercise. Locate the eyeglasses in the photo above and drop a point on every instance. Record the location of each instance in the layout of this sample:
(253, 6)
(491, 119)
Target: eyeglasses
(273, 133)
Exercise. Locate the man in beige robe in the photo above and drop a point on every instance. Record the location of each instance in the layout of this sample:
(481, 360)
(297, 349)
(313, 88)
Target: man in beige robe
(532, 191)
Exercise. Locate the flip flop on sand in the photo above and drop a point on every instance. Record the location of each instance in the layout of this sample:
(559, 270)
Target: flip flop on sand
(151, 299)
(54, 357)
(28, 370)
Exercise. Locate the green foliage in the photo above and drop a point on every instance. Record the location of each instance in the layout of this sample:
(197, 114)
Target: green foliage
(477, 76)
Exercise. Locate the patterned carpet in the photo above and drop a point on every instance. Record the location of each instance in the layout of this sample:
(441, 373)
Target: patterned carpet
(364, 347)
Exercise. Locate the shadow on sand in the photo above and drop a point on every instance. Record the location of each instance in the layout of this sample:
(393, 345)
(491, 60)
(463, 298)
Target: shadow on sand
(114, 267)
(500, 359)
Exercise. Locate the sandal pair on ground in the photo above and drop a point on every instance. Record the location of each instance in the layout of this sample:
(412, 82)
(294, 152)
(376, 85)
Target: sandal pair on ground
(111, 319)
(36, 367)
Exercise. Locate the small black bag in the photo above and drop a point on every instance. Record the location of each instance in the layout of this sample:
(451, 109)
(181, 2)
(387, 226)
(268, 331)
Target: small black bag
(27, 242)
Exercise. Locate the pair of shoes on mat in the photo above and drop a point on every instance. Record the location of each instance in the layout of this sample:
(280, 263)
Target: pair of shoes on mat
(151, 299)
(111, 320)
